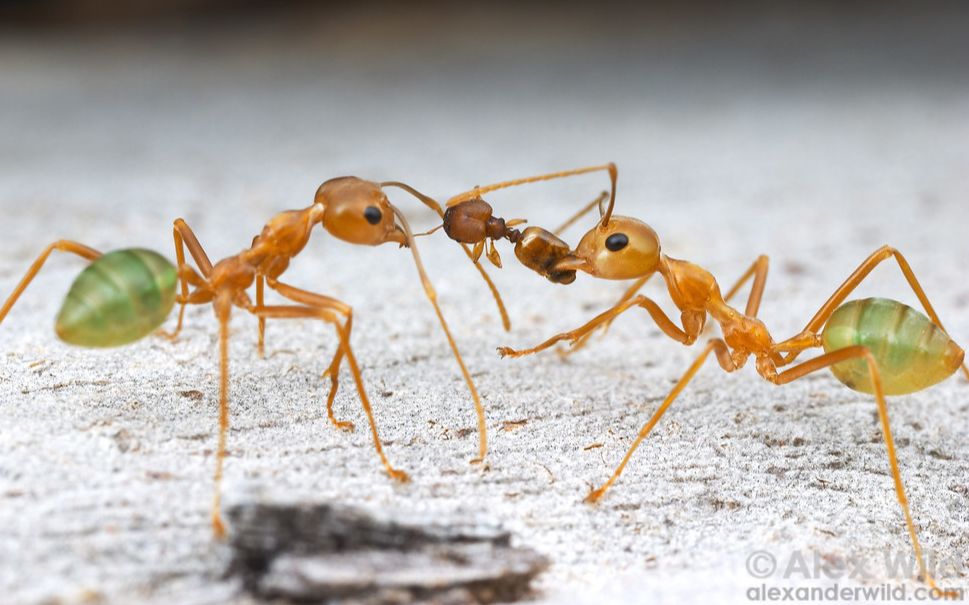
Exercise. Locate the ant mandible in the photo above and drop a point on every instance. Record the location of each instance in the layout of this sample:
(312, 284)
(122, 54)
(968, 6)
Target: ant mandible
(875, 346)
(125, 295)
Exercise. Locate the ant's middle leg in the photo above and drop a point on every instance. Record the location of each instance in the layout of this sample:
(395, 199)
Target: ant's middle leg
(757, 271)
(331, 317)
(855, 352)
(81, 250)
(332, 372)
(809, 336)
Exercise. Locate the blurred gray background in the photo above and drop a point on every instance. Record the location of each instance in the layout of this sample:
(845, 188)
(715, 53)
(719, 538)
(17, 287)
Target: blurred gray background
(812, 132)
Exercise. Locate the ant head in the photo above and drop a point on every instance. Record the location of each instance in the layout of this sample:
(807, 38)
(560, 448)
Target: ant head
(622, 248)
(358, 211)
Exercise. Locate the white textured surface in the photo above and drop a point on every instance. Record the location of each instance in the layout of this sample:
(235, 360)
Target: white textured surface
(105, 456)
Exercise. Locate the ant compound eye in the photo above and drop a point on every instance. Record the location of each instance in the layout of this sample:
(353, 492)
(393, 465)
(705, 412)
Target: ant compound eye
(617, 241)
(373, 215)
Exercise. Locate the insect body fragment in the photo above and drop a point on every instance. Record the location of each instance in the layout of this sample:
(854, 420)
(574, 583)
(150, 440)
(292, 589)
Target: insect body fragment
(121, 297)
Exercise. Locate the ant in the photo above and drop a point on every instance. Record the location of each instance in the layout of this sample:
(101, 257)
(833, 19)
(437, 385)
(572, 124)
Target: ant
(125, 295)
(875, 346)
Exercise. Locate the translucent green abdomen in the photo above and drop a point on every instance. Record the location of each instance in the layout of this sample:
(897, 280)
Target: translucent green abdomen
(910, 351)
(119, 298)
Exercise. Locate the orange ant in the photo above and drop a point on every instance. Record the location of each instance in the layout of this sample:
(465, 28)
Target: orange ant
(125, 295)
(875, 346)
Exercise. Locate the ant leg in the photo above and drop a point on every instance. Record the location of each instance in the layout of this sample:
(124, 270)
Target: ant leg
(62, 245)
(757, 271)
(854, 352)
(223, 307)
(809, 335)
(333, 370)
(436, 207)
(723, 355)
(185, 238)
(260, 301)
(664, 323)
(431, 295)
(583, 340)
(329, 316)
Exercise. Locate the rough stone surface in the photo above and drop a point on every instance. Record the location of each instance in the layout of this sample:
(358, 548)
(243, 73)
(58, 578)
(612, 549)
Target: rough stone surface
(811, 139)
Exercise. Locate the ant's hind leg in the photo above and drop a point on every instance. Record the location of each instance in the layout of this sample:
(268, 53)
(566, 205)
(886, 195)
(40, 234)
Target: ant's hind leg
(81, 250)
(329, 316)
(828, 359)
(809, 335)
(185, 238)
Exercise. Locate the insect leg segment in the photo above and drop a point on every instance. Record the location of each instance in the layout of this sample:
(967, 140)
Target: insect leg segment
(342, 309)
(185, 238)
(829, 359)
(583, 340)
(841, 294)
(684, 380)
(432, 298)
(260, 301)
(223, 310)
(329, 316)
(685, 336)
(81, 250)
(757, 271)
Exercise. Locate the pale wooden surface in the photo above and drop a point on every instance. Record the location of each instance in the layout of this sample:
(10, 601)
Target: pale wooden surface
(814, 157)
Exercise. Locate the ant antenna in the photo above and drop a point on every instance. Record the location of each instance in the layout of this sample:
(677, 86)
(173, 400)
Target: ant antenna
(613, 175)
(436, 207)
(585, 210)
(432, 297)
(479, 191)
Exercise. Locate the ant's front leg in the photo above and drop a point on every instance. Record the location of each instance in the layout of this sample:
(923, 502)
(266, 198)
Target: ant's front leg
(583, 340)
(693, 325)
